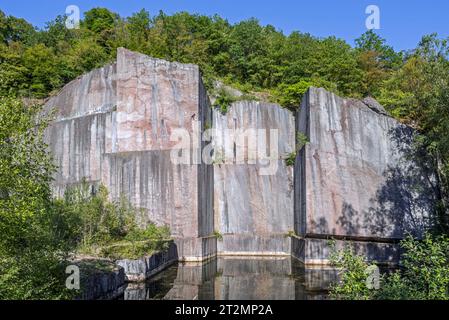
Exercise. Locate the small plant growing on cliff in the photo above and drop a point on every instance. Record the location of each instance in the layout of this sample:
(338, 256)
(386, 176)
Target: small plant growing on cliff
(290, 95)
(219, 157)
(223, 100)
(218, 235)
(291, 234)
(301, 141)
(290, 159)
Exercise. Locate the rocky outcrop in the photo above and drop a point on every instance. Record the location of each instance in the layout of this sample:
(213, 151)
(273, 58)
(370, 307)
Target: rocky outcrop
(100, 280)
(253, 211)
(356, 180)
(113, 127)
(141, 269)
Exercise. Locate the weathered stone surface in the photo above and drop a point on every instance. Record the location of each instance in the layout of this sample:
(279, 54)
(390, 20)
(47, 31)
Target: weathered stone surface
(355, 180)
(374, 105)
(141, 269)
(113, 127)
(153, 98)
(253, 212)
(100, 280)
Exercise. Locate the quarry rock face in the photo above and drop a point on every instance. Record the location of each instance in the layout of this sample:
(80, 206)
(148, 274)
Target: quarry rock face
(253, 212)
(355, 181)
(113, 126)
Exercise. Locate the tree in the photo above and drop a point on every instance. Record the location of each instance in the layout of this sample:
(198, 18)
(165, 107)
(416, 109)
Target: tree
(17, 30)
(42, 65)
(85, 56)
(372, 42)
(138, 26)
(376, 60)
(30, 253)
(99, 20)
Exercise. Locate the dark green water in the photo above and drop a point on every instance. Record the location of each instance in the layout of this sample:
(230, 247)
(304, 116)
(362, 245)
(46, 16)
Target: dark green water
(236, 279)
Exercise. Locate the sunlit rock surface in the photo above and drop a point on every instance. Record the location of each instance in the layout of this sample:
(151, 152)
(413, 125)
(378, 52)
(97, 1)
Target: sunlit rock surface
(113, 126)
(357, 179)
(253, 211)
(354, 181)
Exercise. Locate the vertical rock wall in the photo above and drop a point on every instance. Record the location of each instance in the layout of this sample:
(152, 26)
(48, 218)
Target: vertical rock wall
(78, 138)
(356, 180)
(113, 126)
(253, 212)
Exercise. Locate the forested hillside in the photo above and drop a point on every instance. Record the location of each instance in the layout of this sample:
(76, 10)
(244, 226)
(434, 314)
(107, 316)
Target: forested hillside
(247, 55)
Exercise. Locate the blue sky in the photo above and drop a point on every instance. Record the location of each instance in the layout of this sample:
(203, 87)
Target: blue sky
(403, 22)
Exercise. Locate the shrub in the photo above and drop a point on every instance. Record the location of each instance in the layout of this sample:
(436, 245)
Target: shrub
(352, 284)
(107, 229)
(424, 273)
(223, 100)
(31, 249)
(290, 159)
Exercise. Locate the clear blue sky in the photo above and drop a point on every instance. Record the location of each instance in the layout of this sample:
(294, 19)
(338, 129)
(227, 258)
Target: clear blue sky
(403, 22)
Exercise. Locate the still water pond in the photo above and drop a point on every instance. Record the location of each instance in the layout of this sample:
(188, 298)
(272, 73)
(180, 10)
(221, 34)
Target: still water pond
(236, 279)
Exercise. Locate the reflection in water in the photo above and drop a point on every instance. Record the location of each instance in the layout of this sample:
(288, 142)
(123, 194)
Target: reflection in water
(229, 278)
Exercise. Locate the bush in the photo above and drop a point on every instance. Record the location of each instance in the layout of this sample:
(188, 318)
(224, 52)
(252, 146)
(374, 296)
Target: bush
(290, 159)
(107, 229)
(33, 275)
(290, 95)
(353, 276)
(424, 273)
(133, 249)
(224, 100)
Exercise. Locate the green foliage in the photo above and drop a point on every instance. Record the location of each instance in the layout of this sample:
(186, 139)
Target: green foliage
(33, 275)
(301, 141)
(99, 221)
(132, 249)
(290, 159)
(248, 54)
(352, 284)
(290, 96)
(25, 174)
(424, 273)
(99, 20)
(218, 235)
(224, 100)
(108, 229)
(31, 251)
(291, 234)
